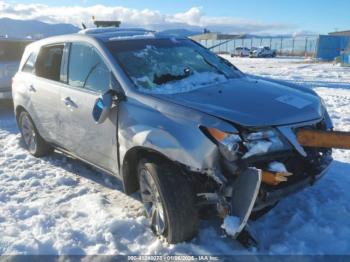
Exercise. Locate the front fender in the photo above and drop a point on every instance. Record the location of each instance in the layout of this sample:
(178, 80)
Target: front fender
(170, 130)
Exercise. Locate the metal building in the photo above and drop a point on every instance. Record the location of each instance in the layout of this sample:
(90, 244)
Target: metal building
(214, 36)
(340, 33)
(331, 46)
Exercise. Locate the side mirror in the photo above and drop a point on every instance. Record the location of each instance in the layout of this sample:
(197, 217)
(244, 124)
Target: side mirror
(102, 107)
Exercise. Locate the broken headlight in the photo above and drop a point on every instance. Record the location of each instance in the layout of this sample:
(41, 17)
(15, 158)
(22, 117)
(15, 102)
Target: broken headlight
(262, 142)
(228, 143)
(232, 145)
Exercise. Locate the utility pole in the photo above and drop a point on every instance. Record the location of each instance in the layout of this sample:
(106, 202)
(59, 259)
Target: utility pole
(306, 46)
(281, 46)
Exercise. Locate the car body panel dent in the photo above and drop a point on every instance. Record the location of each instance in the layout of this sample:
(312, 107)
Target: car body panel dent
(170, 130)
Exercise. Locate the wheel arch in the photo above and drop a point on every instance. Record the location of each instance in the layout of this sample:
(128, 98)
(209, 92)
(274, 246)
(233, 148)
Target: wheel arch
(129, 166)
(19, 109)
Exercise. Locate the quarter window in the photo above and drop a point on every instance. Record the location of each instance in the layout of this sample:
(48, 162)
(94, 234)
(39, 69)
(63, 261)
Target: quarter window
(49, 62)
(30, 64)
(86, 68)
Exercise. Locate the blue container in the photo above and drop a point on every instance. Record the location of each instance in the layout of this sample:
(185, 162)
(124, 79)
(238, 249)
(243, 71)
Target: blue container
(329, 47)
(345, 58)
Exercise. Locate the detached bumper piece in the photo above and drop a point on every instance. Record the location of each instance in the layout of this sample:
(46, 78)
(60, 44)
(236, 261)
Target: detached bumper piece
(245, 191)
(323, 139)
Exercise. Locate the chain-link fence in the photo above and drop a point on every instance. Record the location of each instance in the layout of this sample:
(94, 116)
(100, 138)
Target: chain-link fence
(292, 46)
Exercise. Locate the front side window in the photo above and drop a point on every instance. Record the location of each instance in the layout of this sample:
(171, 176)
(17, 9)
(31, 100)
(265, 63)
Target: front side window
(86, 69)
(170, 65)
(49, 61)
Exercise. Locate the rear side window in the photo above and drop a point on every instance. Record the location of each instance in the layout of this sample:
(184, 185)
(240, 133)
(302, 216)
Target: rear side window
(49, 61)
(29, 66)
(87, 69)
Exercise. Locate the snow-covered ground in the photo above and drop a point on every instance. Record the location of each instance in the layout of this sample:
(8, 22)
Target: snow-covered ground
(57, 205)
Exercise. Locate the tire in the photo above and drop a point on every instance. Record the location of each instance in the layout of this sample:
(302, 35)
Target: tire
(33, 142)
(168, 196)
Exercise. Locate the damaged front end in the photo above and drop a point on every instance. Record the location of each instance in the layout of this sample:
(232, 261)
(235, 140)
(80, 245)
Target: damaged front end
(257, 168)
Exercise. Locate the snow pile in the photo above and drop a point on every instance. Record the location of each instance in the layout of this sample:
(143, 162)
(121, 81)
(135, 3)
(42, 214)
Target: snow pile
(277, 167)
(231, 225)
(190, 83)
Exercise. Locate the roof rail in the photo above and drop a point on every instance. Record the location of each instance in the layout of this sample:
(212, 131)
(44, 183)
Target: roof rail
(108, 30)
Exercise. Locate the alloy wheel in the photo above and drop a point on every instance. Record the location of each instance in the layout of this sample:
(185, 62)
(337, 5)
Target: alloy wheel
(28, 133)
(152, 202)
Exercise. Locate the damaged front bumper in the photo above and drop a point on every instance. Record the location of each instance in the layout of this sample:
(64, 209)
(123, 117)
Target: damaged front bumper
(262, 167)
(268, 197)
(249, 194)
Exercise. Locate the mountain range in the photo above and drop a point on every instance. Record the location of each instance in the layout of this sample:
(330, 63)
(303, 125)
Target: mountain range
(33, 28)
(36, 29)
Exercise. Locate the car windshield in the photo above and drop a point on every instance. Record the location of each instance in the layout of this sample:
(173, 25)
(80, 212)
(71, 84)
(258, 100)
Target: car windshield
(170, 65)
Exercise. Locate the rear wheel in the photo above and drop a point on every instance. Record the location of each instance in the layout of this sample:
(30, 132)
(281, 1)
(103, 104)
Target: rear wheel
(168, 199)
(34, 143)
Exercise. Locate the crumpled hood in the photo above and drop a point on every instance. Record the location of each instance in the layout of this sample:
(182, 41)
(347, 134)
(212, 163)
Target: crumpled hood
(250, 102)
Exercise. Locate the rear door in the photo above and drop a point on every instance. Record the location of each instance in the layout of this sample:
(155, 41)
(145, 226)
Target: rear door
(88, 78)
(43, 84)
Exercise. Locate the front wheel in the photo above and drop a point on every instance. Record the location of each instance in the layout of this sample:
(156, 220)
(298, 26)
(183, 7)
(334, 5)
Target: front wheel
(34, 143)
(168, 199)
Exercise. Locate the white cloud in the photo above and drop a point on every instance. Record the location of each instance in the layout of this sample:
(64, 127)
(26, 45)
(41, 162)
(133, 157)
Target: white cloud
(194, 18)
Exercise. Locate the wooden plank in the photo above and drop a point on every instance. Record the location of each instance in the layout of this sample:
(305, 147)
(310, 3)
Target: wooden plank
(326, 139)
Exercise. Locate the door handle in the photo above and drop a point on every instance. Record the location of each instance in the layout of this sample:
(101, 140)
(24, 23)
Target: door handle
(68, 102)
(32, 89)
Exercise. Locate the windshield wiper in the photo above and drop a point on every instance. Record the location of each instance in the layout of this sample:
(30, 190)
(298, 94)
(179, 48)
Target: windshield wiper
(165, 78)
(213, 65)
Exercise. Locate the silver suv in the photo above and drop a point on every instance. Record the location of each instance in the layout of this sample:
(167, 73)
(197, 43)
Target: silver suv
(172, 120)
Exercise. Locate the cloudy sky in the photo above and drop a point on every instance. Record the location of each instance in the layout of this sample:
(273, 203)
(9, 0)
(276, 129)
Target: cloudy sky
(235, 16)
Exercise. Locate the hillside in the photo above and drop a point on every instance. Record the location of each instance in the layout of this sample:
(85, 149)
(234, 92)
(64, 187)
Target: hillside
(33, 28)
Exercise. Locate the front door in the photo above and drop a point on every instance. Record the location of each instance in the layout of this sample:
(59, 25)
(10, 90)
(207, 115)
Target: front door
(88, 78)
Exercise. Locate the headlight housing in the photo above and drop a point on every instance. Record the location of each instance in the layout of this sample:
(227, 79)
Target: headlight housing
(232, 145)
(228, 143)
(262, 142)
